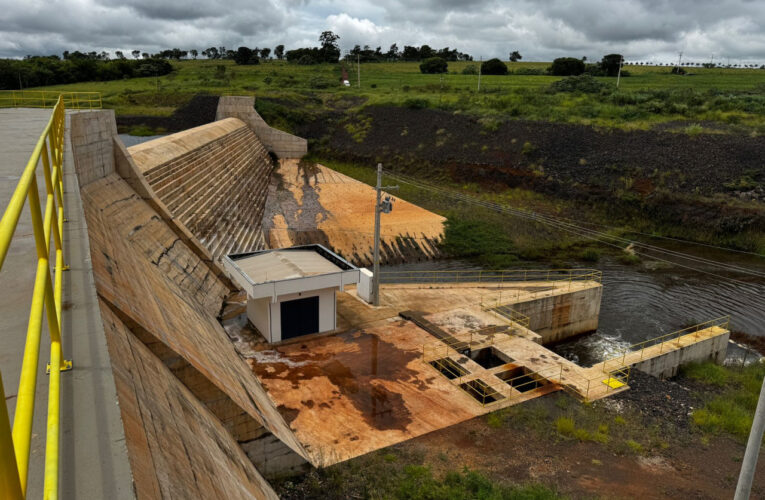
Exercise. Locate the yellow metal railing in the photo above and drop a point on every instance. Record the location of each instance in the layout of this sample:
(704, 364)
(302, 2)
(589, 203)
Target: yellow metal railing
(46, 299)
(663, 341)
(480, 276)
(49, 99)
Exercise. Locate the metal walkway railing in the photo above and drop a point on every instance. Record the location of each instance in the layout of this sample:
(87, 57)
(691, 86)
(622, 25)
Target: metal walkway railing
(46, 299)
(49, 99)
(481, 276)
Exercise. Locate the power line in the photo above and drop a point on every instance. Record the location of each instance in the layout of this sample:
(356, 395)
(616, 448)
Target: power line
(582, 231)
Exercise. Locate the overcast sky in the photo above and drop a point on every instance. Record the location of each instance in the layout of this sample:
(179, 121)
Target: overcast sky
(642, 30)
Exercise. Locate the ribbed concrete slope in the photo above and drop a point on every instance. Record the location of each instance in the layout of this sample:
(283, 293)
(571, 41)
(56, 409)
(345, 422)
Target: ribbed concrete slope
(214, 179)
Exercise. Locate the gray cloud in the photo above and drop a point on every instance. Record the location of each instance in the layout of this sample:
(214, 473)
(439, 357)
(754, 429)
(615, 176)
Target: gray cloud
(641, 29)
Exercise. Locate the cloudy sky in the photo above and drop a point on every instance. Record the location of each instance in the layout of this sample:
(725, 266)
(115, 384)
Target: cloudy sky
(654, 30)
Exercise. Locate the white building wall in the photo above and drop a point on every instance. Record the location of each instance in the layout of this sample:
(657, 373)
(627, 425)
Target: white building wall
(327, 310)
(364, 288)
(258, 312)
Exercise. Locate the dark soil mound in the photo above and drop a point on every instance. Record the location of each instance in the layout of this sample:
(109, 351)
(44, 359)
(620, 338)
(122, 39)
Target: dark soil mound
(199, 110)
(570, 153)
(666, 400)
(653, 174)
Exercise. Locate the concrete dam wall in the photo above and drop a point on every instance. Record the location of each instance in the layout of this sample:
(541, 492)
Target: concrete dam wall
(214, 180)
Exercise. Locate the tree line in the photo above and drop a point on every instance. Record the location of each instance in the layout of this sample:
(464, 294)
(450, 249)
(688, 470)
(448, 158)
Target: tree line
(38, 71)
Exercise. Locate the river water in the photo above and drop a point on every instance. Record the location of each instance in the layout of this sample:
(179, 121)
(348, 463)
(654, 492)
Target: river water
(650, 299)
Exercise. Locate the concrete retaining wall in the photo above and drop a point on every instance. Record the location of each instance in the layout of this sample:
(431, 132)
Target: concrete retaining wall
(667, 365)
(562, 316)
(282, 144)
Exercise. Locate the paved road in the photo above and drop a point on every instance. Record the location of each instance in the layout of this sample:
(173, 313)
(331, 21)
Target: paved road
(93, 456)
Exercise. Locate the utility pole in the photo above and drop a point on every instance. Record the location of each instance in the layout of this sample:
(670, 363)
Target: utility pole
(679, 58)
(381, 206)
(746, 477)
(358, 70)
(619, 74)
(480, 63)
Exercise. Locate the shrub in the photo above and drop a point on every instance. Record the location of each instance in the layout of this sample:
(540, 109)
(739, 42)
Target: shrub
(582, 83)
(416, 103)
(470, 69)
(567, 66)
(494, 67)
(318, 82)
(565, 426)
(434, 65)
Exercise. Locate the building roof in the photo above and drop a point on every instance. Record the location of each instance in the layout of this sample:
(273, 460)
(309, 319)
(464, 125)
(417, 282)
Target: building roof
(290, 270)
(280, 265)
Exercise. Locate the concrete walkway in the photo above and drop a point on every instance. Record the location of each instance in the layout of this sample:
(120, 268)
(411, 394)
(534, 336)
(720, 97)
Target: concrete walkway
(93, 461)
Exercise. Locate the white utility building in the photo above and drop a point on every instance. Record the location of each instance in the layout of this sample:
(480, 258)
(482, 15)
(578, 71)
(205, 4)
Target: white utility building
(291, 291)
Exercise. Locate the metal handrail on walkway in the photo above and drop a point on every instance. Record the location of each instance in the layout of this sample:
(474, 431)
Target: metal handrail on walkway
(49, 99)
(46, 298)
(481, 276)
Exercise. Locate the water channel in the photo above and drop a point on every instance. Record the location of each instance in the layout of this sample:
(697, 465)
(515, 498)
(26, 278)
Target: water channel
(646, 300)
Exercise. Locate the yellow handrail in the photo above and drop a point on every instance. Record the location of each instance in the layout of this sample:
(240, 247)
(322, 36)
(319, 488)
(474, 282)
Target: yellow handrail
(49, 99)
(46, 297)
(640, 347)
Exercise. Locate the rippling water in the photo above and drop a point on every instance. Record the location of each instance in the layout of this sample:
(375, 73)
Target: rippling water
(641, 302)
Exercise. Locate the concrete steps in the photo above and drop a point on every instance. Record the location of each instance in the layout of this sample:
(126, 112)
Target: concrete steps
(218, 190)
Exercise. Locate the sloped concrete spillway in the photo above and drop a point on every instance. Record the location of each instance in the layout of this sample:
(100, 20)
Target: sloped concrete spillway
(214, 180)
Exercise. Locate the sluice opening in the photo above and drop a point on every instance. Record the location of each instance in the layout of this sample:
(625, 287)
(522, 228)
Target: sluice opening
(481, 391)
(449, 368)
(489, 357)
(522, 379)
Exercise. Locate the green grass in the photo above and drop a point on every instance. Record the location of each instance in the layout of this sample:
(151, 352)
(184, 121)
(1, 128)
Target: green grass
(730, 408)
(651, 95)
(383, 475)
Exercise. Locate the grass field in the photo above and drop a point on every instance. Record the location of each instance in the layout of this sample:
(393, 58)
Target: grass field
(650, 95)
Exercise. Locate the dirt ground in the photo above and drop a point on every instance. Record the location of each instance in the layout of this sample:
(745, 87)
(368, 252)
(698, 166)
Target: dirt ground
(686, 469)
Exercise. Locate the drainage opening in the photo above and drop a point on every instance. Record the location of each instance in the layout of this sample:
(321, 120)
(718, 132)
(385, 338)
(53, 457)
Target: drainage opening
(481, 391)
(489, 357)
(449, 368)
(522, 379)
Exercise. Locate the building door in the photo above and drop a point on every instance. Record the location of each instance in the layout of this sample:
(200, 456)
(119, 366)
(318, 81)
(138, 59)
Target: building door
(300, 317)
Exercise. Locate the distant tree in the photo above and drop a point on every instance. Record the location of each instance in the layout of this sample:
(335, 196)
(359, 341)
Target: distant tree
(515, 56)
(393, 54)
(434, 65)
(136, 54)
(567, 66)
(119, 54)
(211, 53)
(330, 50)
(245, 55)
(194, 53)
(493, 67)
(410, 53)
(265, 52)
(426, 52)
(279, 52)
(145, 55)
(610, 64)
